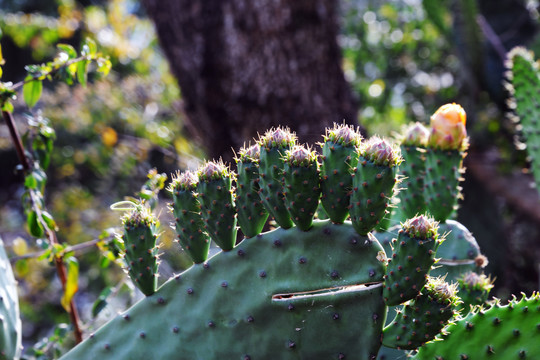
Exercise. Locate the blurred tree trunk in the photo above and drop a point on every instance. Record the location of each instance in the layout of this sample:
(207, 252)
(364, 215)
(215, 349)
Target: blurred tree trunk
(246, 65)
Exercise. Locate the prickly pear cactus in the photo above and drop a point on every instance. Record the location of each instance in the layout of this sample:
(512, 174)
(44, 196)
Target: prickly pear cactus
(141, 252)
(444, 157)
(499, 333)
(189, 224)
(413, 171)
(277, 294)
(524, 86)
(339, 158)
(10, 323)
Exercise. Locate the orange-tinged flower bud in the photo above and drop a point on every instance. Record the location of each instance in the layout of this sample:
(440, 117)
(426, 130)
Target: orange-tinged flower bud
(448, 128)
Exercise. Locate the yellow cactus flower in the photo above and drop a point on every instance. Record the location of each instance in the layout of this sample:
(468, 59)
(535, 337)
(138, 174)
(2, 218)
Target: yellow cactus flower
(448, 130)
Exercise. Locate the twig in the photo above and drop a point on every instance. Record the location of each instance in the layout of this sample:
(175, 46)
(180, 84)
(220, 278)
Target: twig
(74, 248)
(59, 260)
(492, 37)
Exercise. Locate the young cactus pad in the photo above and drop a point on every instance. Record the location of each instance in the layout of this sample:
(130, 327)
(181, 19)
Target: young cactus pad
(373, 183)
(217, 206)
(423, 318)
(413, 254)
(499, 333)
(412, 169)
(524, 85)
(10, 323)
(141, 252)
(301, 185)
(189, 224)
(250, 211)
(275, 296)
(339, 158)
(273, 146)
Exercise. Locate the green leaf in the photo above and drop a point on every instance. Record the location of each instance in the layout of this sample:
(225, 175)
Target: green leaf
(82, 69)
(101, 301)
(34, 226)
(89, 47)
(32, 92)
(104, 66)
(30, 181)
(48, 219)
(72, 280)
(68, 49)
(7, 106)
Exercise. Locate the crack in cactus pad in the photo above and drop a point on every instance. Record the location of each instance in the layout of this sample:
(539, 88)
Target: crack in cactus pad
(10, 323)
(498, 333)
(284, 294)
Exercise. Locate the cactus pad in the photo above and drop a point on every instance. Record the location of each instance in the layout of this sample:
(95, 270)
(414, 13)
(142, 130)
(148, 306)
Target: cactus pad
(189, 224)
(273, 297)
(10, 323)
(499, 333)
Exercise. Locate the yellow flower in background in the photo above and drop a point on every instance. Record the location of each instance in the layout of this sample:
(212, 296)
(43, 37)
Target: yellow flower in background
(448, 130)
(109, 137)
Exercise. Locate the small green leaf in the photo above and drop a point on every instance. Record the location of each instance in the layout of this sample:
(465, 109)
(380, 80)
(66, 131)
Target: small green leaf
(34, 226)
(72, 280)
(7, 106)
(32, 91)
(68, 49)
(82, 69)
(48, 219)
(101, 301)
(104, 66)
(30, 181)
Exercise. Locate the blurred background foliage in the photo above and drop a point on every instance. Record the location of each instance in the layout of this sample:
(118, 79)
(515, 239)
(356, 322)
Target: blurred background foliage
(403, 59)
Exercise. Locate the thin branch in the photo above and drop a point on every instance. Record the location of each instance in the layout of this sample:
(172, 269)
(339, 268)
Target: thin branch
(74, 248)
(53, 71)
(59, 260)
(492, 37)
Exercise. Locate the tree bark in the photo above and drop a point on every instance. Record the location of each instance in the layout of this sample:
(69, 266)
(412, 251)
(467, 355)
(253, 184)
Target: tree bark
(244, 66)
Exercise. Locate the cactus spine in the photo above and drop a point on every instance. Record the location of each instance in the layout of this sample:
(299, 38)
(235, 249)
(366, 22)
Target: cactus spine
(10, 323)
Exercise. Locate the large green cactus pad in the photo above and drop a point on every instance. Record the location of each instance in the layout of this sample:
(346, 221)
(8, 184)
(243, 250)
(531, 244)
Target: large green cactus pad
(524, 84)
(10, 323)
(285, 294)
(499, 333)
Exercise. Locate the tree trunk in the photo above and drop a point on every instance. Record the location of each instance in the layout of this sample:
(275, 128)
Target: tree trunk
(244, 66)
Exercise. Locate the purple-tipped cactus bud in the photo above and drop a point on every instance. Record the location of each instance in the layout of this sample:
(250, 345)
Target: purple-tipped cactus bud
(212, 170)
(249, 153)
(186, 180)
(415, 135)
(140, 215)
(278, 138)
(441, 291)
(448, 130)
(344, 135)
(300, 156)
(474, 281)
(421, 227)
(381, 152)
